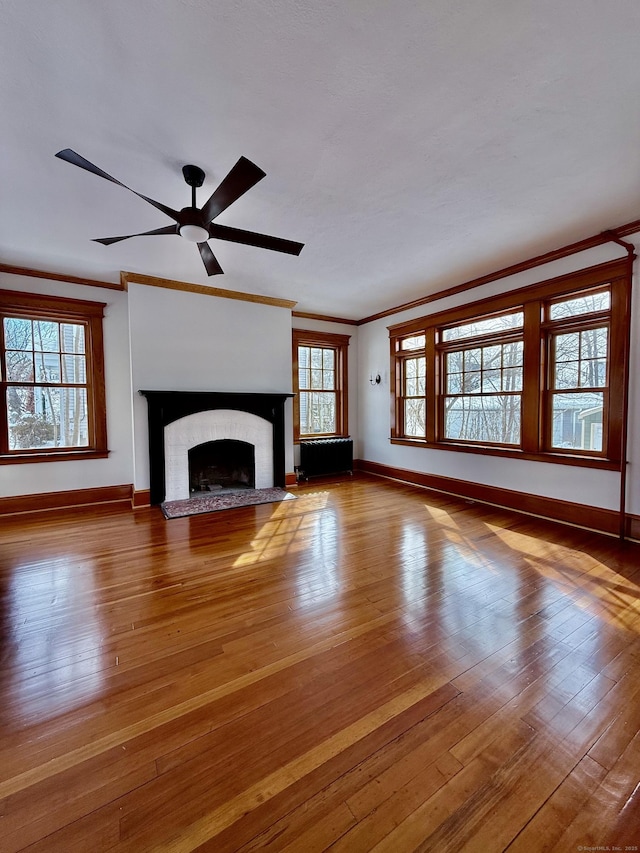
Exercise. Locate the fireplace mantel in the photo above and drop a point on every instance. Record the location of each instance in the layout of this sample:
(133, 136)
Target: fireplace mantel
(165, 407)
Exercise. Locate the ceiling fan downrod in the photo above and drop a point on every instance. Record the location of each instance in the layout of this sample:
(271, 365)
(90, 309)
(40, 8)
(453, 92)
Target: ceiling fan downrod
(194, 177)
(191, 225)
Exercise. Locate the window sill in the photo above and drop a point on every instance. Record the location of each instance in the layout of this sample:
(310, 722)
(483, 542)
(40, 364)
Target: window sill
(31, 458)
(554, 458)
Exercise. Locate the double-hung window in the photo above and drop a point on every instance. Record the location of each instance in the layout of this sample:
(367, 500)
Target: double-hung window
(482, 366)
(579, 369)
(412, 366)
(319, 384)
(51, 378)
(539, 372)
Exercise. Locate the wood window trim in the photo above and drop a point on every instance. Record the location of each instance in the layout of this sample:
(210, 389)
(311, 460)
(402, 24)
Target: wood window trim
(62, 309)
(535, 439)
(516, 453)
(339, 343)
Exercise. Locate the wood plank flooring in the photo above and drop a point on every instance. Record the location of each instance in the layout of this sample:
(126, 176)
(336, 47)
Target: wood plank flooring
(369, 667)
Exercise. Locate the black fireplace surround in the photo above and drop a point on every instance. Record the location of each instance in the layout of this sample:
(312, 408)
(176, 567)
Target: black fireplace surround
(164, 407)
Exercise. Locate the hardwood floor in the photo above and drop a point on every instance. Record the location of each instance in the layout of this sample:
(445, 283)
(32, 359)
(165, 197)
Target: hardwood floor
(368, 667)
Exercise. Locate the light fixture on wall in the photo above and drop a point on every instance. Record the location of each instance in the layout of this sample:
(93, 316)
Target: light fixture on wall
(375, 380)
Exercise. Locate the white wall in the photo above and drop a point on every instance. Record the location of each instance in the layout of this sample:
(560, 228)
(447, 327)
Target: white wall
(26, 479)
(161, 339)
(171, 340)
(191, 342)
(588, 486)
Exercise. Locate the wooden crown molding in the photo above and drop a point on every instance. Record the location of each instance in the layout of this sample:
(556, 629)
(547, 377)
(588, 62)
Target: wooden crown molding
(613, 235)
(585, 278)
(128, 278)
(600, 239)
(56, 276)
(303, 315)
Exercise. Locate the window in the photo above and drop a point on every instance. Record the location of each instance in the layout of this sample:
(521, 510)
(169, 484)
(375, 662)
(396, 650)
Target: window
(482, 393)
(320, 384)
(527, 373)
(51, 377)
(413, 379)
(579, 374)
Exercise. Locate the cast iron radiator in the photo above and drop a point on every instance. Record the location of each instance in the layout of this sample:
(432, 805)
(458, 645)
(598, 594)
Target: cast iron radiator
(325, 456)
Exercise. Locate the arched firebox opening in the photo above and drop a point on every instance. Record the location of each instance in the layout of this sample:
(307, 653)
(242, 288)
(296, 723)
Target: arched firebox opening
(221, 464)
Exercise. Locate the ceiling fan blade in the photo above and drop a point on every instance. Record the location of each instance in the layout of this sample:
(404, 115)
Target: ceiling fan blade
(209, 260)
(75, 159)
(107, 241)
(241, 178)
(252, 238)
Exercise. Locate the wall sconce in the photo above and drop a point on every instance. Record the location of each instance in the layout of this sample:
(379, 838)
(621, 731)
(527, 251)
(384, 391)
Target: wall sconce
(375, 380)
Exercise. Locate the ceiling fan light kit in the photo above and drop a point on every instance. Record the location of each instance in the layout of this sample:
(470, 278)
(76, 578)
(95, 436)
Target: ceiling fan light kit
(194, 233)
(196, 224)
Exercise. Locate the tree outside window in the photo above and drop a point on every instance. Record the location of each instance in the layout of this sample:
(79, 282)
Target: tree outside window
(538, 372)
(482, 395)
(320, 384)
(51, 373)
(579, 375)
(412, 380)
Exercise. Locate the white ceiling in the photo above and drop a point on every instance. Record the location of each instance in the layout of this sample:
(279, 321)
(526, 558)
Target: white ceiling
(410, 144)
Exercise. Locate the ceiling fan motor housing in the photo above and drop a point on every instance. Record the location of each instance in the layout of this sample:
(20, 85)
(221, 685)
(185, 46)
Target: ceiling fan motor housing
(191, 216)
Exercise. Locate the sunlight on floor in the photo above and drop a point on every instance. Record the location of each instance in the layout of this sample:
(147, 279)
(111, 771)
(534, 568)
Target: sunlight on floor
(441, 558)
(580, 572)
(441, 516)
(289, 529)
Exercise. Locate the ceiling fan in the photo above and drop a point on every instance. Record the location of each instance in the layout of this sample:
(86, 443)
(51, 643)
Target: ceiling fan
(196, 224)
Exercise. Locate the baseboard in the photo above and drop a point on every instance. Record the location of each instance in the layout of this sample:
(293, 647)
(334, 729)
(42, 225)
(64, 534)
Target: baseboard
(290, 479)
(593, 518)
(633, 527)
(64, 500)
(140, 498)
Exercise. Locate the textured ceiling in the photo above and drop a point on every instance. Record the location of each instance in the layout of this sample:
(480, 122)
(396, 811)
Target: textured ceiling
(410, 145)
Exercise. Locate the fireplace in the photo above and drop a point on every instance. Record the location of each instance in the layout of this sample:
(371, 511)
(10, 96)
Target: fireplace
(180, 422)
